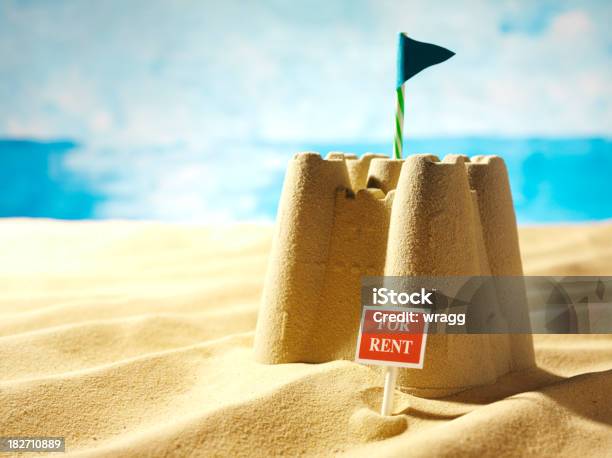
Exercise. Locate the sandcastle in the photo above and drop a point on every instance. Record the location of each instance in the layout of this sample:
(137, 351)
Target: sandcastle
(343, 217)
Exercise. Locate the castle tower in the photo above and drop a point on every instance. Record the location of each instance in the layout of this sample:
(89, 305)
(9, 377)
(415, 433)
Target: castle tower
(298, 259)
(489, 178)
(433, 233)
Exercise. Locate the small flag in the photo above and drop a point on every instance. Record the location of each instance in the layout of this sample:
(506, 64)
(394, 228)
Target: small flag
(412, 57)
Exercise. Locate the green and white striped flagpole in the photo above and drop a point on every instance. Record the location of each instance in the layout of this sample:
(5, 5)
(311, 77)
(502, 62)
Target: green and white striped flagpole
(399, 122)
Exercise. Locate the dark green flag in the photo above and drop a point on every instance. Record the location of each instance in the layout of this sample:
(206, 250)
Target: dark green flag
(414, 56)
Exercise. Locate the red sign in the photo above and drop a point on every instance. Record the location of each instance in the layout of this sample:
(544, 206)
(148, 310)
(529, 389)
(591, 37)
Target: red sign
(392, 336)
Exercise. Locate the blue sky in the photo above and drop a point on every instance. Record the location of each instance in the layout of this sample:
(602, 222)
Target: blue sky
(184, 91)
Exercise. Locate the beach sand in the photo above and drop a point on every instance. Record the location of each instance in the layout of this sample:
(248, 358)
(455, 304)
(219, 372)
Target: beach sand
(135, 339)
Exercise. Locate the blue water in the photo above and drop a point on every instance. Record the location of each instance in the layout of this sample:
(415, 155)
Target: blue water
(552, 180)
(34, 182)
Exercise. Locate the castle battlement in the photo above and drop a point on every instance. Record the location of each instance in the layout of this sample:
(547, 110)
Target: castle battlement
(343, 217)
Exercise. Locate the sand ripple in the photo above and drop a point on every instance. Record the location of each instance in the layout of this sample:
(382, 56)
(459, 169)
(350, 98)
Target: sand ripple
(134, 339)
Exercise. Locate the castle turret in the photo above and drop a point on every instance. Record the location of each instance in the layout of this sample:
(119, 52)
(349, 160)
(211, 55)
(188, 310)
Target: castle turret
(384, 174)
(432, 233)
(489, 178)
(298, 260)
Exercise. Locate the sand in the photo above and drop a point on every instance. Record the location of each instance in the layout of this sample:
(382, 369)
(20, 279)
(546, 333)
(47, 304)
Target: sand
(135, 339)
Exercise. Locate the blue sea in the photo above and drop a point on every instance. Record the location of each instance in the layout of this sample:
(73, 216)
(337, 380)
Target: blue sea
(552, 180)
